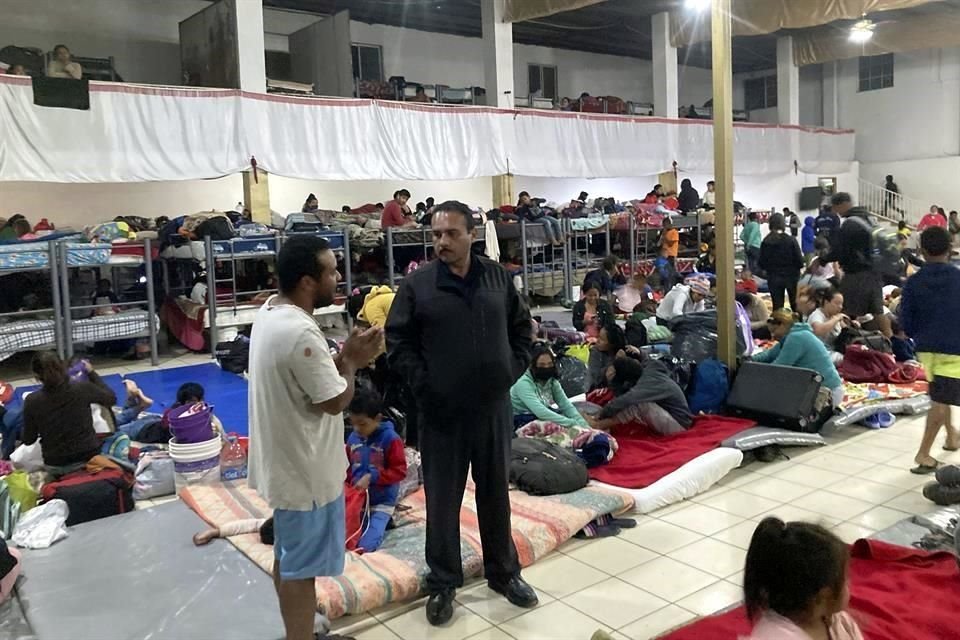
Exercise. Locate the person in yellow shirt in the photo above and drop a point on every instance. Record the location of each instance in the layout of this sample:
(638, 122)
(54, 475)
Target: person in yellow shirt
(669, 241)
(376, 306)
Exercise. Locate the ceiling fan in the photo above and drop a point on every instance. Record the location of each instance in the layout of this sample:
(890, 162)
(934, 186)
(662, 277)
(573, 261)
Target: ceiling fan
(862, 30)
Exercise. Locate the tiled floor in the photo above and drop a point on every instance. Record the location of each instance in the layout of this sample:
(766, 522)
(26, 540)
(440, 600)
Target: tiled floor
(680, 562)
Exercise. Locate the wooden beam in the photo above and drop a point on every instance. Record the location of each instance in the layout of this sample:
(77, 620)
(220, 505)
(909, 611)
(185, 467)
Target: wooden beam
(723, 175)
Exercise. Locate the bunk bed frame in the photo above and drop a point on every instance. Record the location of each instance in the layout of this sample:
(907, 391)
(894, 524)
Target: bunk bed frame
(424, 242)
(12, 337)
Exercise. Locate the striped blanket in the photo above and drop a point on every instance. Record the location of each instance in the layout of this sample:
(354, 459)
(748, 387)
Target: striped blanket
(396, 572)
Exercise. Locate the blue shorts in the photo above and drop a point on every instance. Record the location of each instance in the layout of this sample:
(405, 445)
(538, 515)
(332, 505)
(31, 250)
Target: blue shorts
(308, 544)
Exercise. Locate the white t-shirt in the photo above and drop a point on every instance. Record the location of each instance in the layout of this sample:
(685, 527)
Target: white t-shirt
(678, 302)
(297, 456)
(818, 317)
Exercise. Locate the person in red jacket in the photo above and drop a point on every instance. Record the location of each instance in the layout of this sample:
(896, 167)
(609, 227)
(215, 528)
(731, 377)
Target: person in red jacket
(377, 464)
(396, 213)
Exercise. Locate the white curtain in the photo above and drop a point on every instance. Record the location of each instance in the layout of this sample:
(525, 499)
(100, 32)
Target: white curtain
(138, 134)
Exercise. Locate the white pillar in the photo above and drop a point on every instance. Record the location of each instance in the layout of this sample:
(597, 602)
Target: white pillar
(666, 93)
(251, 65)
(497, 54)
(788, 83)
(831, 94)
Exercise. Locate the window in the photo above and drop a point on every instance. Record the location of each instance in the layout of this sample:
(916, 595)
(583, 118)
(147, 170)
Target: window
(760, 93)
(543, 81)
(876, 72)
(367, 62)
(278, 65)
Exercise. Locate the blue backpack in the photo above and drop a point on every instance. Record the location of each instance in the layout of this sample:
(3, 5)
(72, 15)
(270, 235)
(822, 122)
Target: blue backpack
(708, 391)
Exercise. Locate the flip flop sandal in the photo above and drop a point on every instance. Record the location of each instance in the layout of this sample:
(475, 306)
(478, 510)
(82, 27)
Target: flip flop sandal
(925, 469)
(946, 448)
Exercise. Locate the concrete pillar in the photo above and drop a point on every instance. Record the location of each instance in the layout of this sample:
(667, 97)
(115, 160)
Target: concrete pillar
(831, 94)
(788, 83)
(503, 190)
(666, 93)
(256, 195)
(497, 54)
(252, 67)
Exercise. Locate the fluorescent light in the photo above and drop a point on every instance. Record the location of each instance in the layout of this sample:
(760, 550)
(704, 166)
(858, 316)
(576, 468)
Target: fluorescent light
(860, 34)
(697, 5)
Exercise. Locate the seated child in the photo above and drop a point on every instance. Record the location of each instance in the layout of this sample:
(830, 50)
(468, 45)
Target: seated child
(904, 349)
(795, 583)
(377, 464)
(104, 295)
(155, 428)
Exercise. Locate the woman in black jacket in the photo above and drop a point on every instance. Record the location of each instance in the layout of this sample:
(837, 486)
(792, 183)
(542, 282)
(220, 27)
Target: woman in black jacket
(782, 262)
(592, 313)
(689, 197)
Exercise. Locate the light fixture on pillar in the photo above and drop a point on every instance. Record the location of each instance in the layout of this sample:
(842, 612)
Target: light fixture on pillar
(697, 5)
(862, 31)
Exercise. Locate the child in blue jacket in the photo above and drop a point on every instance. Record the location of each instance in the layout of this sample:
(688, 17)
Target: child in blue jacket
(377, 464)
(807, 238)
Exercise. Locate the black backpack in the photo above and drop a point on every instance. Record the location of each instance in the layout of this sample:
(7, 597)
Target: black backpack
(234, 356)
(544, 469)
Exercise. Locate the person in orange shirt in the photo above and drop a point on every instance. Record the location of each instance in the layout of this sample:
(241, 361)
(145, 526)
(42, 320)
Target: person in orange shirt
(669, 241)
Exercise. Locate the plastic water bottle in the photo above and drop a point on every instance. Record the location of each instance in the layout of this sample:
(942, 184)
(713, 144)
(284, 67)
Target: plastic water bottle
(233, 460)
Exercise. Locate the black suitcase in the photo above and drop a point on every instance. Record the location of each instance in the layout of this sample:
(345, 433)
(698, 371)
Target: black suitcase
(778, 396)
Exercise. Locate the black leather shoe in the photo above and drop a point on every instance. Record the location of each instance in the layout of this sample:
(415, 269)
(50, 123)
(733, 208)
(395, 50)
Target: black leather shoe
(440, 607)
(518, 592)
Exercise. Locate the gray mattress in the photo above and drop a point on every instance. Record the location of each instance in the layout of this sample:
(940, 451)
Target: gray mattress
(138, 576)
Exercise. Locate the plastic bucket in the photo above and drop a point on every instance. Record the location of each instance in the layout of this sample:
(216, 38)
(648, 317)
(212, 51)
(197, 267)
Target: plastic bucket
(195, 464)
(192, 428)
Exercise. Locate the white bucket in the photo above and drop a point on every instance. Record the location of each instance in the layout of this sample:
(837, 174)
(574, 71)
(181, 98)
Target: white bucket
(196, 464)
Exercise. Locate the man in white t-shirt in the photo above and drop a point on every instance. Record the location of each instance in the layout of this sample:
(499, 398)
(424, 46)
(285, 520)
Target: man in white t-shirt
(297, 395)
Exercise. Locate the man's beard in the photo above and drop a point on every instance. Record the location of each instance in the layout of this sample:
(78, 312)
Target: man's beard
(322, 300)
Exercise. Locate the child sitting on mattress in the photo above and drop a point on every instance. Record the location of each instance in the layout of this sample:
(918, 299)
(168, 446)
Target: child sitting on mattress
(377, 464)
(151, 427)
(795, 583)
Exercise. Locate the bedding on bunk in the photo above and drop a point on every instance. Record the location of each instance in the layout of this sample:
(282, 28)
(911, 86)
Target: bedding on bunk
(33, 254)
(28, 335)
(895, 593)
(646, 456)
(397, 571)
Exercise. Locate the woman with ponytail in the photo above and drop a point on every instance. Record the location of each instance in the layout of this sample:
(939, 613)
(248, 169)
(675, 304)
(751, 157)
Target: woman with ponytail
(795, 583)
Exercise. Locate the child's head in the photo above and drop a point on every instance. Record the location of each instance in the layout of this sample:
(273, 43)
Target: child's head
(366, 411)
(189, 393)
(895, 327)
(935, 243)
(901, 225)
(611, 339)
(104, 286)
(795, 569)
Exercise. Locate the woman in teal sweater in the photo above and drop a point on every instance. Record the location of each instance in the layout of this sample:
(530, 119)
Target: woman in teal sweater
(798, 346)
(537, 395)
(751, 241)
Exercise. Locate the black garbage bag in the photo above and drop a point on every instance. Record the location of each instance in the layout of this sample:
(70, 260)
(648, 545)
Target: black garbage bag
(695, 336)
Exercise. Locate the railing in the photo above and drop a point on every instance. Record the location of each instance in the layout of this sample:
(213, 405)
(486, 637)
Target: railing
(889, 205)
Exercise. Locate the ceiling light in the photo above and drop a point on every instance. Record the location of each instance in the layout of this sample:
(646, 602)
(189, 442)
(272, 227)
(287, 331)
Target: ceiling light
(697, 5)
(862, 31)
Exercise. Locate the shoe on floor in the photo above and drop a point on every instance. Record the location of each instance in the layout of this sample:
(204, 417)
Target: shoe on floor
(517, 592)
(926, 469)
(948, 474)
(942, 495)
(440, 607)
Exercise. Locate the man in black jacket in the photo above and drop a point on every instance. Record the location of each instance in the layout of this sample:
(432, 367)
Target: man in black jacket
(460, 335)
(852, 248)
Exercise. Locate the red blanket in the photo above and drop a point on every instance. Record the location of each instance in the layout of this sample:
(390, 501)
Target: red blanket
(646, 456)
(896, 593)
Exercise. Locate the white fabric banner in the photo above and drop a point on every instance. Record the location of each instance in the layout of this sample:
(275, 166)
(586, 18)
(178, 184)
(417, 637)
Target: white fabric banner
(136, 134)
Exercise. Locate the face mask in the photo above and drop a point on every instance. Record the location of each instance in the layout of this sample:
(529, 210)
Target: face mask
(544, 373)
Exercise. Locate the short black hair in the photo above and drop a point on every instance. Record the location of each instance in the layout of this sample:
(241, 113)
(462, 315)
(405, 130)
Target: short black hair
(189, 391)
(455, 206)
(366, 402)
(590, 286)
(610, 263)
(615, 336)
(777, 222)
(104, 281)
(61, 46)
(402, 192)
(379, 205)
(430, 201)
(521, 194)
(889, 178)
(787, 566)
(298, 258)
(541, 349)
(894, 324)
(751, 215)
(902, 224)
(841, 197)
(266, 531)
(346, 208)
(935, 241)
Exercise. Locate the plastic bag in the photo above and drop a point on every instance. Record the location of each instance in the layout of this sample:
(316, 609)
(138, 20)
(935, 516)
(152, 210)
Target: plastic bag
(28, 457)
(154, 476)
(695, 336)
(21, 491)
(573, 375)
(43, 526)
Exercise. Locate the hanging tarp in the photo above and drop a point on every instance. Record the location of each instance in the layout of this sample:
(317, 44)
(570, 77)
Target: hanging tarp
(520, 10)
(139, 134)
(759, 17)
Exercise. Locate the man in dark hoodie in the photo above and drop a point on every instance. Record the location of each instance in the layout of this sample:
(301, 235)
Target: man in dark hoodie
(928, 313)
(851, 247)
(645, 393)
(459, 328)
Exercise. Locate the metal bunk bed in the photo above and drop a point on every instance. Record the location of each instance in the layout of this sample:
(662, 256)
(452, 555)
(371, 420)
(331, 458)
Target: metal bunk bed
(545, 268)
(589, 240)
(226, 309)
(133, 323)
(644, 249)
(30, 333)
(420, 237)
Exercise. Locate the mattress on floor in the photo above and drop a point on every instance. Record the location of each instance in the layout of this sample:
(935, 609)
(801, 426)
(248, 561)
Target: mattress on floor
(690, 480)
(138, 575)
(397, 571)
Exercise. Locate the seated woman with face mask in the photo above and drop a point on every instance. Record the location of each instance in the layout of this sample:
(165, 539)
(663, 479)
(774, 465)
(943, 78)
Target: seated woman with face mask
(537, 395)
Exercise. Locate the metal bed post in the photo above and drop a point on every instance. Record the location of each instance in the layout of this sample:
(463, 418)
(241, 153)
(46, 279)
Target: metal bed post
(165, 268)
(61, 256)
(151, 300)
(607, 231)
(390, 262)
(633, 244)
(211, 293)
(523, 257)
(347, 273)
(57, 302)
(568, 253)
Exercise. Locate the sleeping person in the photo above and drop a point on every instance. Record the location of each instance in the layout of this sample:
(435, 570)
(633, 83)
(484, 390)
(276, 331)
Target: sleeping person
(644, 392)
(537, 395)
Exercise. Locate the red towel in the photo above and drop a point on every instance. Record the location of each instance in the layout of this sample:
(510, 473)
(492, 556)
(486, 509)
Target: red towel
(645, 456)
(896, 593)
